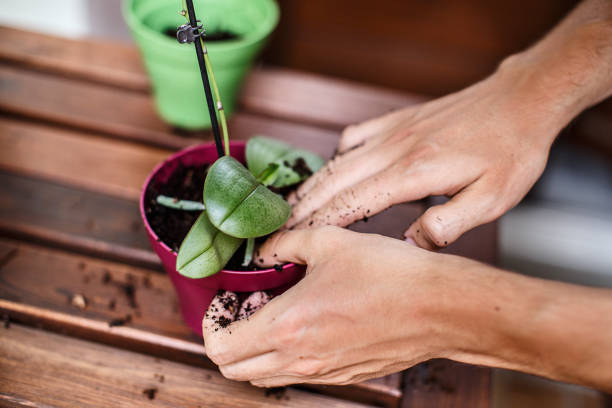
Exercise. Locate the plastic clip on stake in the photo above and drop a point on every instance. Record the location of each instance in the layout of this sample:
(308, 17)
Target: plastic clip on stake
(187, 34)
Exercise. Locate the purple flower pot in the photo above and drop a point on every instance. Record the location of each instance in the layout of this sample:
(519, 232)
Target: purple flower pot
(196, 294)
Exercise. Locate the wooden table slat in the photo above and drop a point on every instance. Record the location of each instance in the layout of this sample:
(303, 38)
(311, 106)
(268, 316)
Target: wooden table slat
(45, 369)
(99, 164)
(285, 94)
(38, 285)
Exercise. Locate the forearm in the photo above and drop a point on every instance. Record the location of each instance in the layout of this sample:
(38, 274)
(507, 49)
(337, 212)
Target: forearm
(553, 329)
(569, 69)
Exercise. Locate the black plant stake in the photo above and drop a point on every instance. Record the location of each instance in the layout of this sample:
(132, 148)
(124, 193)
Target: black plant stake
(191, 33)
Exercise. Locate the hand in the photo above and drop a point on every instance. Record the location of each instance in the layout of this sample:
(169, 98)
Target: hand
(484, 146)
(366, 308)
(370, 305)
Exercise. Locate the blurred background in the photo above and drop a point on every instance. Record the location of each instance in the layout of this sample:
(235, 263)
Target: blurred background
(562, 230)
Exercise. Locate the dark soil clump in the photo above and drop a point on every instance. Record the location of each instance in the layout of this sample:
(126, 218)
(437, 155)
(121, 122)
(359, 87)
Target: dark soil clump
(120, 321)
(277, 392)
(150, 393)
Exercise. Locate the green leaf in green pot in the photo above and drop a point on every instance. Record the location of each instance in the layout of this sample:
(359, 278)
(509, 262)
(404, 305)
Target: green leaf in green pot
(205, 250)
(294, 164)
(238, 204)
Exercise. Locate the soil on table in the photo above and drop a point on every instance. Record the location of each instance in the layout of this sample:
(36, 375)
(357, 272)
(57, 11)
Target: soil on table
(172, 226)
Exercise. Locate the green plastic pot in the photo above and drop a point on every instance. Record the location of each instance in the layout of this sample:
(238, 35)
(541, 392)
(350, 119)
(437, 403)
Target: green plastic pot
(173, 67)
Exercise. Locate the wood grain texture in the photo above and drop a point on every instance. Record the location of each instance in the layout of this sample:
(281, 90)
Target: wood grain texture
(113, 64)
(278, 93)
(38, 285)
(41, 368)
(130, 116)
(40, 211)
(95, 163)
(82, 105)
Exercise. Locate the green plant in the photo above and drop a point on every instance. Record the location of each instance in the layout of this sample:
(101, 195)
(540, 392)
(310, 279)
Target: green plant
(237, 204)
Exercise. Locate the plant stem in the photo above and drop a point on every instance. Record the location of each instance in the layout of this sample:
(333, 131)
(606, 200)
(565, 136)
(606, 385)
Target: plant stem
(177, 204)
(201, 52)
(248, 252)
(215, 88)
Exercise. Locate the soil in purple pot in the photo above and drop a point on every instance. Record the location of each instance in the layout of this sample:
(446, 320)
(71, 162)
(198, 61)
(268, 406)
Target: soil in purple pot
(172, 226)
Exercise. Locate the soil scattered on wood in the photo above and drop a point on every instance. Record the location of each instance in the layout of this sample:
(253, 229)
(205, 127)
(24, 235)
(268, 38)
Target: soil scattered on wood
(429, 376)
(6, 321)
(277, 392)
(150, 393)
(121, 321)
(128, 288)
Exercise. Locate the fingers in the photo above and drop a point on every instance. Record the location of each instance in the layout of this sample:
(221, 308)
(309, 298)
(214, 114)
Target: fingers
(369, 197)
(441, 225)
(299, 246)
(336, 163)
(228, 341)
(354, 135)
(347, 175)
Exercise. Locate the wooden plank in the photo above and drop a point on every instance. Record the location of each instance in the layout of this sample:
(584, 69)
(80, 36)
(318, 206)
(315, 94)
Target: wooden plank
(60, 216)
(38, 286)
(96, 163)
(113, 64)
(87, 106)
(280, 93)
(316, 99)
(445, 384)
(41, 368)
(130, 116)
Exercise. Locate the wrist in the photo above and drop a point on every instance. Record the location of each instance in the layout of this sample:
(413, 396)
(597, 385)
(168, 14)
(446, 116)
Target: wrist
(506, 320)
(564, 74)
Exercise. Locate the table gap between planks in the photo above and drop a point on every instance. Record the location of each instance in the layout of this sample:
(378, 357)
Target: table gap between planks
(79, 134)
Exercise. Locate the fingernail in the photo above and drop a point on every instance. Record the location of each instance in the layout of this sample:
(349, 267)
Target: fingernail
(410, 241)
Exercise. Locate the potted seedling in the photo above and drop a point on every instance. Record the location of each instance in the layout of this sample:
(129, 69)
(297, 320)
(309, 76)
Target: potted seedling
(205, 197)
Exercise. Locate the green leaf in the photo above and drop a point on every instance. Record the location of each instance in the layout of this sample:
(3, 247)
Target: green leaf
(205, 250)
(238, 204)
(261, 151)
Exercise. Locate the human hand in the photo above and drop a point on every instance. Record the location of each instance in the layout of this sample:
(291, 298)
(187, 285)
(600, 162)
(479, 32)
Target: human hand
(366, 308)
(484, 146)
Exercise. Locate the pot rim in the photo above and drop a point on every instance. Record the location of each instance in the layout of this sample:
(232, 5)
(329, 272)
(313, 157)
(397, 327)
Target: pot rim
(160, 39)
(162, 244)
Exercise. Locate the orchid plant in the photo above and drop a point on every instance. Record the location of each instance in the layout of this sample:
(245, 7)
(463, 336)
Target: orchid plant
(237, 204)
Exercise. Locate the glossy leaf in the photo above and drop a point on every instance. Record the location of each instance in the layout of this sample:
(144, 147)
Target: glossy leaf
(262, 151)
(205, 250)
(238, 204)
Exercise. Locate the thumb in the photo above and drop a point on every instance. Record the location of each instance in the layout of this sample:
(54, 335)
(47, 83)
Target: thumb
(442, 225)
(301, 246)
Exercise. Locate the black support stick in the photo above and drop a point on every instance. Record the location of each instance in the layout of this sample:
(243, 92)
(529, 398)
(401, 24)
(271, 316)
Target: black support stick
(209, 99)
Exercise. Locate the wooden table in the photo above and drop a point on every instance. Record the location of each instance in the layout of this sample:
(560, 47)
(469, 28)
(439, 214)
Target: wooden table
(78, 135)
